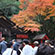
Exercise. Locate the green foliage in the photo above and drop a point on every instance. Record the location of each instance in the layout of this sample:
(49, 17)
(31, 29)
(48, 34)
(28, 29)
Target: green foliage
(39, 18)
(48, 26)
(17, 3)
(9, 7)
(25, 8)
(4, 3)
(54, 3)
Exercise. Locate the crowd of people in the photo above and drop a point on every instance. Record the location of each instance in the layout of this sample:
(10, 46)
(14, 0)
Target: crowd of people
(14, 47)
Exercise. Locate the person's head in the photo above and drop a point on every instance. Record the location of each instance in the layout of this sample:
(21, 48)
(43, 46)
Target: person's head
(25, 41)
(47, 42)
(36, 43)
(3, 38)
(51, 43)
(10, 45)
(13, 41)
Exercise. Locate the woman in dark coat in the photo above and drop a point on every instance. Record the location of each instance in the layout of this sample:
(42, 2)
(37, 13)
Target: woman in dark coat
(46, 49)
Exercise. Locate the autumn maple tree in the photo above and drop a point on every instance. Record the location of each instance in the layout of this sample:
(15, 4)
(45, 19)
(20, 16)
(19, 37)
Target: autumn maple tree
(33, 8)
(25, 21)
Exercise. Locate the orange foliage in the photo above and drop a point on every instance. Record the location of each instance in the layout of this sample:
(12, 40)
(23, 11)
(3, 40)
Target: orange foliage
(39, 7)
(23, 20)
(34, 8)
(49, 1)
(45, 7)
(32, 29)
(24, 3)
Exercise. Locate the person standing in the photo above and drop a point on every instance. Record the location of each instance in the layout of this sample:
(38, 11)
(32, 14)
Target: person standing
(35, 49)
(3, 44)
(15, 45)
(9, 50)
(3, 40)
(27, 49)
